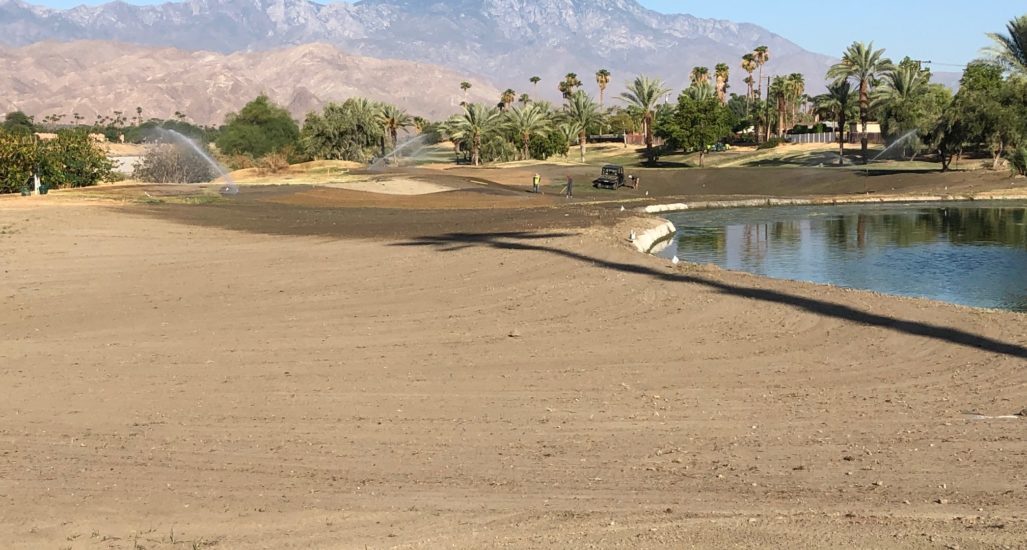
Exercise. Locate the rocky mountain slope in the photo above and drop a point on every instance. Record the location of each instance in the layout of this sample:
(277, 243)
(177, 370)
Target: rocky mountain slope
(506, 41)
(90, 77)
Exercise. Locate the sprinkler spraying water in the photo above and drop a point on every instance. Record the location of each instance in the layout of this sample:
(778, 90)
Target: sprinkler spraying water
(898, 141)
(229, 187)
(412, 146)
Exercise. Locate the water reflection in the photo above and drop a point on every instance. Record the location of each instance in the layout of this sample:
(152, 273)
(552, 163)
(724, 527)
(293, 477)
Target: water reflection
(967, 253)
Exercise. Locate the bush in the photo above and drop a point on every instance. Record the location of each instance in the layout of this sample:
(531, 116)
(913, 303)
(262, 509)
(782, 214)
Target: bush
(1018, 161)
(272, 163)
(17, 159)
(770, 143)
(73, 160)
(553, 143)
(261, 127)
(173, 164)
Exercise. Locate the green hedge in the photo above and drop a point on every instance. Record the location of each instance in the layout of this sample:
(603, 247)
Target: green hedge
(69, 160)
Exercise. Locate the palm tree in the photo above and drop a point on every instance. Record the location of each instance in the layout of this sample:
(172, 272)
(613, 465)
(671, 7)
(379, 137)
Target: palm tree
(534, 81)
(778, 92)
(525, 122)
(864, 65)
(644, 94)
(602, 79)
(569, 130)
(524, 99)
(749, 65)
(476, 122)
(721, 74)
(583, 113)
(795, 88)
(700, 74)
(701, 91)
(394, 119)
(507, 98)
(568, 85)
(1011, 50)
(761, 55)
(837, 105)
(465, 86)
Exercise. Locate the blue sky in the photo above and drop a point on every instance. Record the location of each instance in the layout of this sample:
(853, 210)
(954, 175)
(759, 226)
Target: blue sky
(943, 31)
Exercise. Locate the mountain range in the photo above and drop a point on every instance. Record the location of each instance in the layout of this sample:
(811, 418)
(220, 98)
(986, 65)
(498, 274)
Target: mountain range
(503, 42)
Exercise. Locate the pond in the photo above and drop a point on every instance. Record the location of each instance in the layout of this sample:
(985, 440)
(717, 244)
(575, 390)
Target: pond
(969, 253)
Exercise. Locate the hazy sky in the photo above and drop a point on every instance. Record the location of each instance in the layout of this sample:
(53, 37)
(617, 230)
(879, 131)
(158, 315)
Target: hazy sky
(942, 31)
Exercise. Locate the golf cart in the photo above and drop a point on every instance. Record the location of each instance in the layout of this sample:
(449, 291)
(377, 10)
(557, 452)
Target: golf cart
(611, 177)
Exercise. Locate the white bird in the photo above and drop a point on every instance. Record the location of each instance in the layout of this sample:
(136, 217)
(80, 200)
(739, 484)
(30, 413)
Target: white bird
(621, 208)
(631, 236)
(647, 193)
(675, 260)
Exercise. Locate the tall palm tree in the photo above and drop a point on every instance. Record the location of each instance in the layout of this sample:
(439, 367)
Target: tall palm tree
(700, 74)
(721, 72)
(795, 88)
(465, 86)
(644, 94)
(1011, 50)
(524, 99)
(864, 65)
(837, 104)
(393, 119)
(507, 97)
(525, 122)
(583, 113)
(761, 55)
(749, 66)
(476, 122)
(534, 81)
(778, 94)
(602, 79)
(569, 84)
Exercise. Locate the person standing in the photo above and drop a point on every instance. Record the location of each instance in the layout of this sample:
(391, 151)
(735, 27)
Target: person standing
(535, 181)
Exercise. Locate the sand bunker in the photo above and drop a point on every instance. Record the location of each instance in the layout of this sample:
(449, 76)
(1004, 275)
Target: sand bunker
(392, 186)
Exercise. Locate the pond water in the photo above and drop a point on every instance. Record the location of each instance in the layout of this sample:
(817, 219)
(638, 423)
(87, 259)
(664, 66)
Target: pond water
(970, 253)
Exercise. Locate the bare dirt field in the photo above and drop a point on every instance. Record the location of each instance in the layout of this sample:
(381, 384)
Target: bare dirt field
(482, 368)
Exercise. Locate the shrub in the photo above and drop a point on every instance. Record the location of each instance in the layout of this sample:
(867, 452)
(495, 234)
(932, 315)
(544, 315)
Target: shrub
(272, 163)
(770, 143)
(17, 159)
(1018, 160)
(173, 164)
(73, 159)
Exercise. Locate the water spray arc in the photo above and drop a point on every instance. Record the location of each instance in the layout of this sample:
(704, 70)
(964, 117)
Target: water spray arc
(229, 187)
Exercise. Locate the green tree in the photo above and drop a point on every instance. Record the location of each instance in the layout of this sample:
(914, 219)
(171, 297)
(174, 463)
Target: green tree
(466, 87)
(1010, 50)
(475, 124)
(526, 123)
(73, 160)
(584, 113)
(991, 110)
(699, 121)
(18, 122)
(864, 65)
(259, 128)
(644, 94)
(18, 154)
(534, 81)
(908, 105)
(351, 130)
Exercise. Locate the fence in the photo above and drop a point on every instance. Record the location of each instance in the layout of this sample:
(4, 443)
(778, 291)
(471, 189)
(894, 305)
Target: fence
(832, 137)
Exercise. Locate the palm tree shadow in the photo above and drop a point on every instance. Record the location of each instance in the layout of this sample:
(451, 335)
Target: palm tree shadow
(522, 240)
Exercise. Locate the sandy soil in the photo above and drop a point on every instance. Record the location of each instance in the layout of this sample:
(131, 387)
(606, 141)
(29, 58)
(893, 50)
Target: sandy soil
(261, 373)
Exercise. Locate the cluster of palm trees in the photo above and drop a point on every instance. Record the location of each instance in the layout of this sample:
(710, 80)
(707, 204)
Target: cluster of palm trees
(480, 125)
